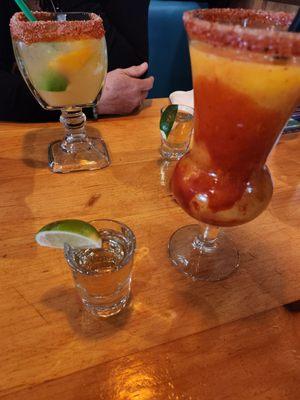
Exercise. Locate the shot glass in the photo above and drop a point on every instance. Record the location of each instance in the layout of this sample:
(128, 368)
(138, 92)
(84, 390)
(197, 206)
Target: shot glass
(176, 142)
(103, 276)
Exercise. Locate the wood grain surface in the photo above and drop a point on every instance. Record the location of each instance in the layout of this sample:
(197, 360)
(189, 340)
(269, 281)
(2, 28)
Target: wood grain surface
(178, 339)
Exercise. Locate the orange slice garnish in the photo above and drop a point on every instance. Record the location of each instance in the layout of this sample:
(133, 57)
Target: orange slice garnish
(73, 61)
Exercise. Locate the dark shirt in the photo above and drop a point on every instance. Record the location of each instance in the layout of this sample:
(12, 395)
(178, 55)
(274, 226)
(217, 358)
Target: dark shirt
(126, 27)
(219, 3)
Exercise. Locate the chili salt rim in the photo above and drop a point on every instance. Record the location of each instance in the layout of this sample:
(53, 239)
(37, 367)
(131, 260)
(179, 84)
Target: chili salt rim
(222, 28)
(45, 30)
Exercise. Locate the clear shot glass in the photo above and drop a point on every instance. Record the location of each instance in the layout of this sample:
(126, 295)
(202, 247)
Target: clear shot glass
(103, 276)
(176, 142)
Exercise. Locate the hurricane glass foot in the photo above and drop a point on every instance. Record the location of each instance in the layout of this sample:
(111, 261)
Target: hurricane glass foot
(88, 154)
(200, 259)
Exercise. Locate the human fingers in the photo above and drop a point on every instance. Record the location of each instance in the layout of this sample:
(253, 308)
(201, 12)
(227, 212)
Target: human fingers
(136, 70)
(146, 84)
(144, 94)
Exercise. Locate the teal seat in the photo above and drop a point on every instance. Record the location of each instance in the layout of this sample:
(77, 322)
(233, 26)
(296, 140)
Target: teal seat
(169, 60)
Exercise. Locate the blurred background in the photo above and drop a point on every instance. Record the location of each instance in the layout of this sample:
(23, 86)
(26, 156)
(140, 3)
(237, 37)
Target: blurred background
(168, 48)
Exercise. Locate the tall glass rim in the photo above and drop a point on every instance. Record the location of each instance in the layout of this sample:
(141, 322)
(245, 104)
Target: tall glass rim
(254, 31)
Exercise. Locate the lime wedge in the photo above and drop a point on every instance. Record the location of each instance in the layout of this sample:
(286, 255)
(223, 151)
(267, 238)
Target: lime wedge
(167, 119)
(76, 233)
(52, 81)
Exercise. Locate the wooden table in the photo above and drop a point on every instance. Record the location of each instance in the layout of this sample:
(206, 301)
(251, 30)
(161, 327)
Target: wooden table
(178, 339)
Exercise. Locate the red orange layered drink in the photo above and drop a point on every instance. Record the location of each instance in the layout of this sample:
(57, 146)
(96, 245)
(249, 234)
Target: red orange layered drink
(246, 78)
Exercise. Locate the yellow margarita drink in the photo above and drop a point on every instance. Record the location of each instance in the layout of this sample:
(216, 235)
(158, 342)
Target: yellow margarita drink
(63, 62)
(62, 58)
(242, 101)
(65, 73)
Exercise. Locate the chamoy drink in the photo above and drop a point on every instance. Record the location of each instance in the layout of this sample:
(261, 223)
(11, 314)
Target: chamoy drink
(246, 78)
(243, 98)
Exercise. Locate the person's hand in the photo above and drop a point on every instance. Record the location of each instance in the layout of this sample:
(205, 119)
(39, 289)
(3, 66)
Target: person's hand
(124, 90)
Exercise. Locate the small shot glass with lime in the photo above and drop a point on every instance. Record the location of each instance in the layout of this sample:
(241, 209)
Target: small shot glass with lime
(100, 255)
(176, 128)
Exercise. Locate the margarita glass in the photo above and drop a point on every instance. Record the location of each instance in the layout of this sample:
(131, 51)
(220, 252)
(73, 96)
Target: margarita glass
(63, 60)
(246, 78)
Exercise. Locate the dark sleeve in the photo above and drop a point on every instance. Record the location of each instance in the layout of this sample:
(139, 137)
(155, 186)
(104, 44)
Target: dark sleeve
(16, 101)
(219, 3)
(126, 26)
(129, 21)
(18, 104)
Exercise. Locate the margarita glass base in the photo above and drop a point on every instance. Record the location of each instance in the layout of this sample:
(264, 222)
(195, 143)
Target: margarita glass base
(77, 151)
(203, 258)
(87, 154)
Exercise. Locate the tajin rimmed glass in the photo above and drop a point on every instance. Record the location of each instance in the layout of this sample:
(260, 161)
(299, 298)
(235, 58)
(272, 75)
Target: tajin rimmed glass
(246, 79)
(62, 58)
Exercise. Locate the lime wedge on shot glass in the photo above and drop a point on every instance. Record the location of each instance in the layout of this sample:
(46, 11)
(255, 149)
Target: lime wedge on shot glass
(76, 233)
(167, 119)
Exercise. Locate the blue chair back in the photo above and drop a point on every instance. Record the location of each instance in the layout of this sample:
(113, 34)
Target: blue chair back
(169, 60)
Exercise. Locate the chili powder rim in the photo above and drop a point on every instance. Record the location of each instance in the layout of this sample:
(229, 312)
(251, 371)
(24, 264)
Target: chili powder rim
(49, 30)
(224, 28)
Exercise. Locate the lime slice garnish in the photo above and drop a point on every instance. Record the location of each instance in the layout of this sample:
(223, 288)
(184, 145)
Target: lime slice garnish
(76, 233)
(53, 81)
(167, 119)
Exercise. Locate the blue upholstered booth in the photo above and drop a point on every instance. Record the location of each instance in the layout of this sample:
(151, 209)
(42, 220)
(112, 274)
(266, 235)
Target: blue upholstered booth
(168, 48)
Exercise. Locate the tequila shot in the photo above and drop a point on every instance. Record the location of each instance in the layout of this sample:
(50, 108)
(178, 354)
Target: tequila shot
(176, 128)
(102, 276)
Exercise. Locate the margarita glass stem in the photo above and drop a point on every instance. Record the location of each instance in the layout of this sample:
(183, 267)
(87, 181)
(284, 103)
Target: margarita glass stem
(73, 120)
